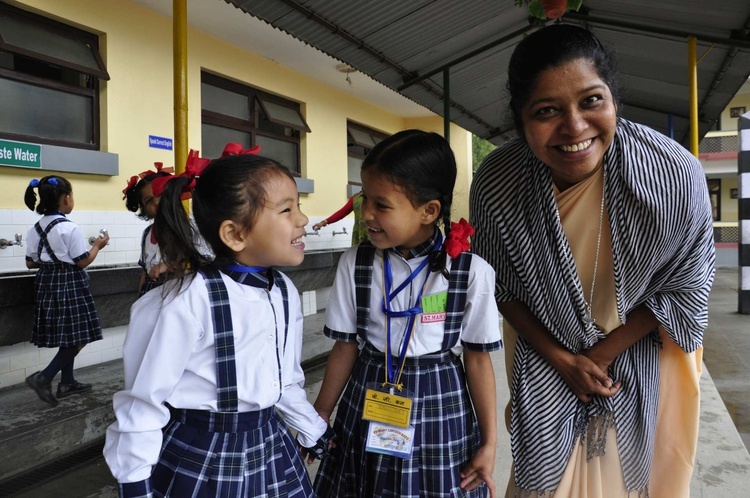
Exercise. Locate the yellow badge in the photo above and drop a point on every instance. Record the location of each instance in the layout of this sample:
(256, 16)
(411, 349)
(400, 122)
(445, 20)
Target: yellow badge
(387, 408)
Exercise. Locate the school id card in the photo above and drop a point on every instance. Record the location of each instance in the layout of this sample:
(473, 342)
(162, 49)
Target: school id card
(390, 440)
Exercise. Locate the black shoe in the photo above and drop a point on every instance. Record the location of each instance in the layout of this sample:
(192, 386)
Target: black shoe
(65, 390)
(42, 386)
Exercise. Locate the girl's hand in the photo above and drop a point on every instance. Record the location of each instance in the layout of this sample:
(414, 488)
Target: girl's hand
(100, 241)
(480, 470)
(156, 271)
(319, 225)
(584, 377)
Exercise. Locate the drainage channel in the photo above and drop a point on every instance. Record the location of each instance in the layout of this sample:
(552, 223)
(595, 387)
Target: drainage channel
(42, 475)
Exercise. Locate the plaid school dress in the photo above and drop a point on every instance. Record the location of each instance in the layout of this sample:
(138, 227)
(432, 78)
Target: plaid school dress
(226, 453)
(446, 430)
(64, 310)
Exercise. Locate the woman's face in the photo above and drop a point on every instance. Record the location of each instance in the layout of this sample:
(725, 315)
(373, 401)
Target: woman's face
(569, 121)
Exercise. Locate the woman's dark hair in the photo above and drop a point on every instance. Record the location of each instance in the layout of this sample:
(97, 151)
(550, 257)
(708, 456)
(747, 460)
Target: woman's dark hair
(550, 47)
(423, 165)
(133, 195)
(50, 188)
(230, 188)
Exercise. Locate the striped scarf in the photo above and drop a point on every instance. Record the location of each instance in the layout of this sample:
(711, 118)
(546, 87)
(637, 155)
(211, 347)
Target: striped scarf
(662, 243)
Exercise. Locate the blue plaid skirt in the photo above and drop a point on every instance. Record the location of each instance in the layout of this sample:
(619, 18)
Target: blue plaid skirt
(209, 454)
(64, 311)
(446, 435)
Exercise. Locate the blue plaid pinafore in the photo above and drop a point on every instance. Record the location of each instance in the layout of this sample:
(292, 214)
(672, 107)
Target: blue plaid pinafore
(64, 310)
(227, 454)
(446, 430)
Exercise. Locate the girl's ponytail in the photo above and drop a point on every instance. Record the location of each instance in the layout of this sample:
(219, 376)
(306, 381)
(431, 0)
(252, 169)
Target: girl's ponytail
(175, 232)
(29, 197)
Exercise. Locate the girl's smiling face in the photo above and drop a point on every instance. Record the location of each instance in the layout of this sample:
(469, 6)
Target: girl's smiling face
(275, 238)
(392, 220)
(569, 121)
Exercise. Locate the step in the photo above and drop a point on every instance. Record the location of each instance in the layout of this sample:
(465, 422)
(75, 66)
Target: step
(32, 433)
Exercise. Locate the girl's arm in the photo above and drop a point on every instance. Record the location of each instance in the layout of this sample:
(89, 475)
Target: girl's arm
(338, 370)
(480, 379)
(99, 243)
(345, 210)
(582, 375)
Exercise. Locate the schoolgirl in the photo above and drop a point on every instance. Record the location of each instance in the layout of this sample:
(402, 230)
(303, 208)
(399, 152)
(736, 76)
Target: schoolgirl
(139, 198)
(65, 316)
(212, 359)
(403, 309)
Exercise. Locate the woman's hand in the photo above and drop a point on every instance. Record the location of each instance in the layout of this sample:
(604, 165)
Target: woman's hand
(480, 470)
(584, 377)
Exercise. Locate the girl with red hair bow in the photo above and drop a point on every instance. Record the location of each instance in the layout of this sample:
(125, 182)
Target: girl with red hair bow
(140, 199)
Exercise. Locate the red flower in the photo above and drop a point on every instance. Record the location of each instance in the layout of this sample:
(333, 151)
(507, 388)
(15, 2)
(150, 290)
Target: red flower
(554, 8)
(458, 238)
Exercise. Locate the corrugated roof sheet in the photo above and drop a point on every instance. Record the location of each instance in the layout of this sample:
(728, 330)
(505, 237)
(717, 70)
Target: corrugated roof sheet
(393, 40)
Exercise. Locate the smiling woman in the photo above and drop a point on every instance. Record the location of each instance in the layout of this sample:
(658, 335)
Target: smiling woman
(600, 234)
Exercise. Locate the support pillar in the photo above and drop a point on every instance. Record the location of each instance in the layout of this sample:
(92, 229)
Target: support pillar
(743, 249)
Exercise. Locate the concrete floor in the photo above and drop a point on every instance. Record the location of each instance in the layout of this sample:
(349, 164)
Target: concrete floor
(722, 463)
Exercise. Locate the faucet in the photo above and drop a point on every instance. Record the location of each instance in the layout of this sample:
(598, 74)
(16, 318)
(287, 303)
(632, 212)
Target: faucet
(312, 233)
(17, 242)
(342, 232)
(102, 233)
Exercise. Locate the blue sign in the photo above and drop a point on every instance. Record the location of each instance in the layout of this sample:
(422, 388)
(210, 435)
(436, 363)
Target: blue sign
(159, 142)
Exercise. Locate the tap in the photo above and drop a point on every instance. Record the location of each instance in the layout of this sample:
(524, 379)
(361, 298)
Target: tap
(342, 232)
(312, 233)
(17, 242)
(102, 233)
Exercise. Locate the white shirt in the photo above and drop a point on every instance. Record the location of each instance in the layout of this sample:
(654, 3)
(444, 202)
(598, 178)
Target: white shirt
(481, 322)
(65, 239)
(169, 356)
(150, 253)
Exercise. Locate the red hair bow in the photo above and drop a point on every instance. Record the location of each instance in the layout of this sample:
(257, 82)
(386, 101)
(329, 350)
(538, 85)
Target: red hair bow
(193, 167)
(131, 183)
(143, 174)
(458, 238)
(235, 149)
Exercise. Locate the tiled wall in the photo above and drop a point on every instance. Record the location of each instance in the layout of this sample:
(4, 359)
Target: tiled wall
(21, 360)
(125, 236)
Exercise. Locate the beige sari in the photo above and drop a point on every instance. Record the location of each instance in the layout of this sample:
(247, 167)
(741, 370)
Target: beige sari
(679, 394)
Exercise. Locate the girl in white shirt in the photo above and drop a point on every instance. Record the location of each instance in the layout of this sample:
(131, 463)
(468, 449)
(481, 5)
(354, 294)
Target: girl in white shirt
(65, 315)
(403, 309)
(140, 199)
(212, 359)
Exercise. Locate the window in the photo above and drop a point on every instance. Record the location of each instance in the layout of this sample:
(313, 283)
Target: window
(49, 79)
(714, 192)
(232, 112)
(360, 140)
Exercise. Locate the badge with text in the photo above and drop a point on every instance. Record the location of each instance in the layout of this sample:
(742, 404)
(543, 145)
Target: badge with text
(434, 307)
(390, 440)
(387, 408)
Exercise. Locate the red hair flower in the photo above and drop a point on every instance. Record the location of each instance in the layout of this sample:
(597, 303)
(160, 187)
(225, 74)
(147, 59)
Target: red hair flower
(131, 183)
(458, 238)
(235, 149)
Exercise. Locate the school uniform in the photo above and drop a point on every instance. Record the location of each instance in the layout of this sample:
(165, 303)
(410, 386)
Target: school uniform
(224, 422)
(446, 431)
(150, 257)
(64, 310)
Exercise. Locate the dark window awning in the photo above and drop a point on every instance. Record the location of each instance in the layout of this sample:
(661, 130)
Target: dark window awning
(25, 36)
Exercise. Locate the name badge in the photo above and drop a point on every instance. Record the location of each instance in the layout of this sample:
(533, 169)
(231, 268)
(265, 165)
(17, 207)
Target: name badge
(434, 307)
(387, 408)
(390, 440)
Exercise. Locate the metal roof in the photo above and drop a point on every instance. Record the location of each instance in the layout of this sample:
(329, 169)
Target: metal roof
(399, 42)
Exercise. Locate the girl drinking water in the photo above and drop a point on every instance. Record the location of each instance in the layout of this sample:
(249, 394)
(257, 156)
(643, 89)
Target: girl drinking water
(403, 309)
(65, 316)
(212, 359)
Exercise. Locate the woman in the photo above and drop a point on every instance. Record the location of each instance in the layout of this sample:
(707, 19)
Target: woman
(600, 232)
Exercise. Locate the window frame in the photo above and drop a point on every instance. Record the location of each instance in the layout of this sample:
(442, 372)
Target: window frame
(353, 146)
(86, 38)
(252, 125)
